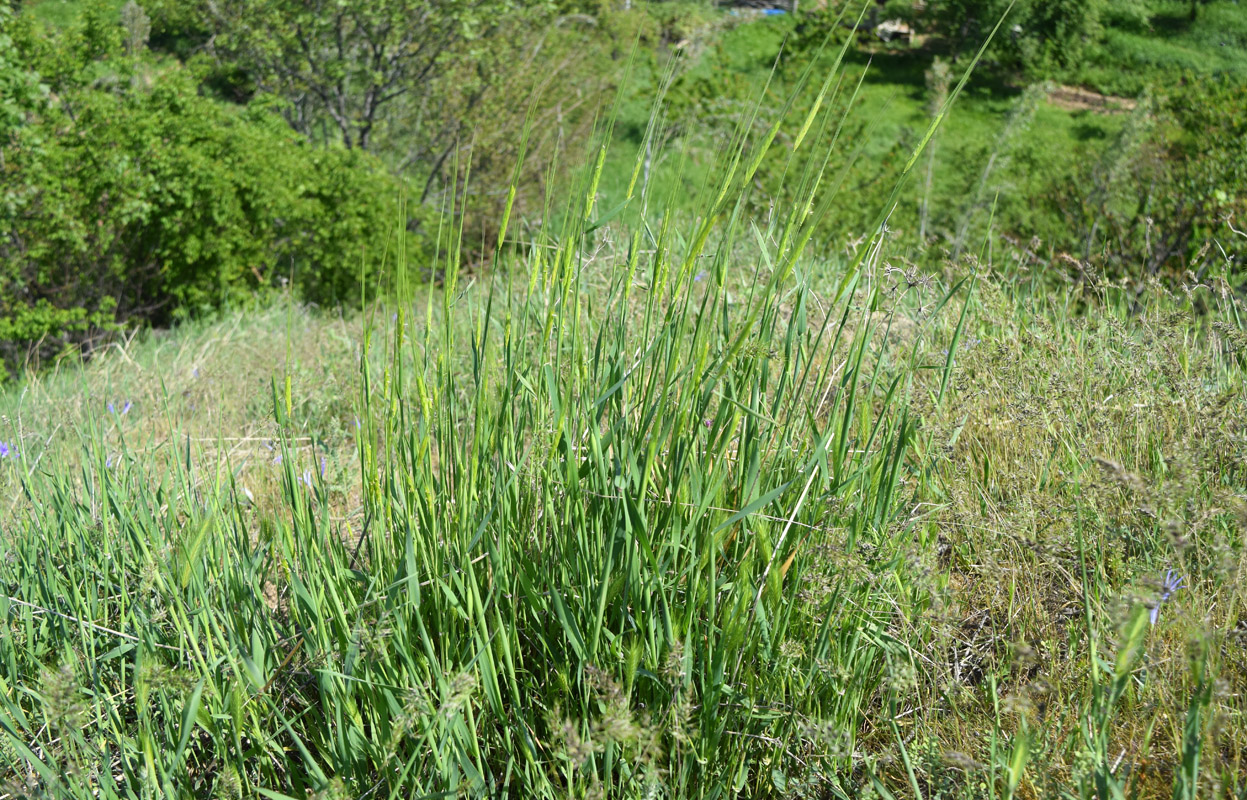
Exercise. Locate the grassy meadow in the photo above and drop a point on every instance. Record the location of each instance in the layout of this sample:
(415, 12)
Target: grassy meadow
(678, 497)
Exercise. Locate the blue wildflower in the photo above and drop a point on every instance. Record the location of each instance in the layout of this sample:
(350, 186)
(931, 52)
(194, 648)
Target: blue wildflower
(7, 450)
(1171, 584)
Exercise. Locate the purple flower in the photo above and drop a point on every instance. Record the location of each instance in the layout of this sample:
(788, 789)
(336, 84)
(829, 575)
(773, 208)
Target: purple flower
(108, 462)
(1171, 584)
(306, 478)
(699, 277)
(322, 466)
(7, 451)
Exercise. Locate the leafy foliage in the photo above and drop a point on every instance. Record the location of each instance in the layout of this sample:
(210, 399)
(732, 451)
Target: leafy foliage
(1167, 194)
(342, 61)
(21, 92)
(1211, 152)
(130, 197)
(435, 89)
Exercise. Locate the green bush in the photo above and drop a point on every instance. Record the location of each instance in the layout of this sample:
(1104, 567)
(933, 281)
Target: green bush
(1168, 193)
(128, 197)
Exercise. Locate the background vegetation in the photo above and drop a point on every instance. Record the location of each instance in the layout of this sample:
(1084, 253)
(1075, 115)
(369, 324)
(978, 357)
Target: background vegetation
(636, 401)
(197, 197)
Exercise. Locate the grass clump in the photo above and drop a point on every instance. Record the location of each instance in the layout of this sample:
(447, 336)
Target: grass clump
(584, 489)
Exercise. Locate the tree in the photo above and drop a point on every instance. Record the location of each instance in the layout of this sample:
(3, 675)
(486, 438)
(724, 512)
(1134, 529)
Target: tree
(343, 63)
(1167, 195)
(1058, 30)
(964, 24)
(437, 89)
(1208, 162)
(1037, 35)
(1195, 5)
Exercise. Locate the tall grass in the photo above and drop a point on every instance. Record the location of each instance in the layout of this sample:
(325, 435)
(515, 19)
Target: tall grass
(659, 507)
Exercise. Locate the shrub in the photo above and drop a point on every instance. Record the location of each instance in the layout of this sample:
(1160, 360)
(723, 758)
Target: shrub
(129, 197)
(1165, 190)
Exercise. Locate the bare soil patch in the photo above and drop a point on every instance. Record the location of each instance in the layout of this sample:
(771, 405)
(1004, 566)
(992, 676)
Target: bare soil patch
(1073, 98)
